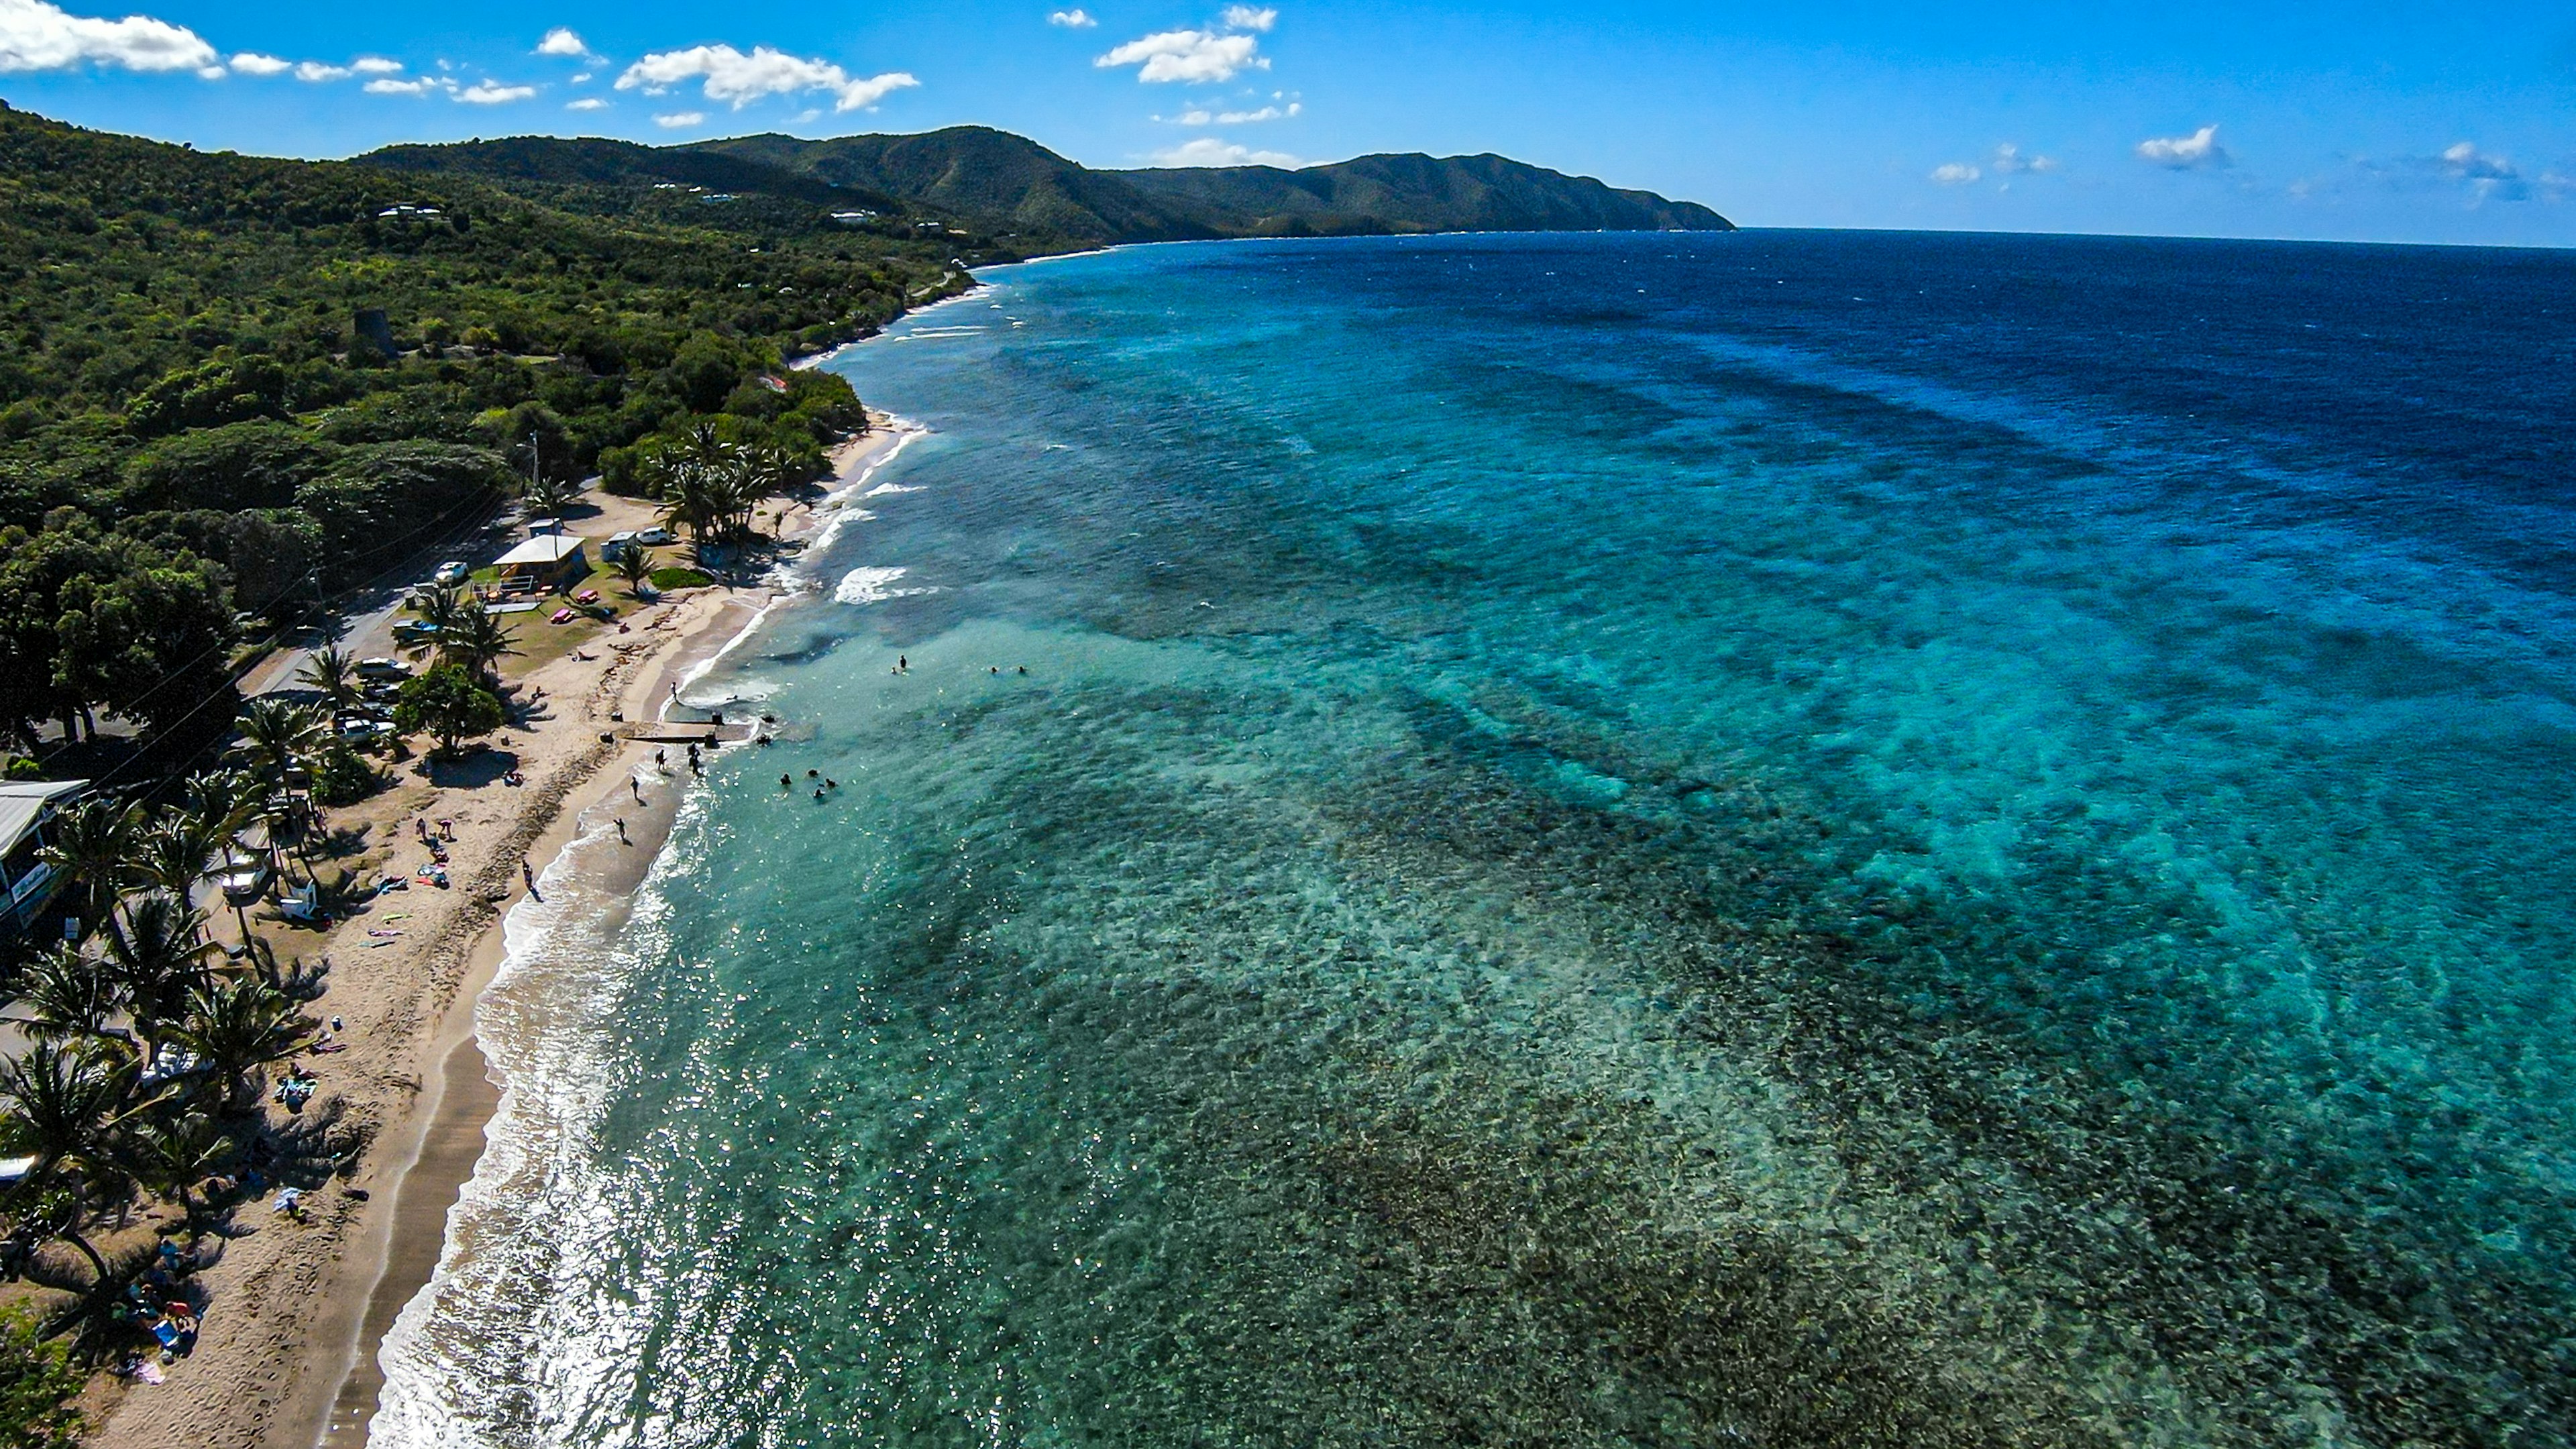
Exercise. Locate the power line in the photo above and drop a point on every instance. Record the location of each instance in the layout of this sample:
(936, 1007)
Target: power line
(172, 676)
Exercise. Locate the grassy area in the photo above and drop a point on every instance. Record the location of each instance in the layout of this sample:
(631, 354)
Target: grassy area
(680, 578)
(541, 640)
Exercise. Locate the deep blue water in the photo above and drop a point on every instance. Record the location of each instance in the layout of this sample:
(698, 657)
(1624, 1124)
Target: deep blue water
(1785, 838)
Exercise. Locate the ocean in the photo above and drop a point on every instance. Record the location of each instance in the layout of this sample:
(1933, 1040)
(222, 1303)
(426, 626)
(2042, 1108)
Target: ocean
(1776, 839)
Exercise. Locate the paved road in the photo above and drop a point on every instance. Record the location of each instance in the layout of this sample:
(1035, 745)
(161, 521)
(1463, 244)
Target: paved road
(364, 625)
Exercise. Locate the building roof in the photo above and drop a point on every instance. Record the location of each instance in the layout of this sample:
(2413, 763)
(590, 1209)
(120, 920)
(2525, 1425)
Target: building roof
(23, 802)
(545, 548)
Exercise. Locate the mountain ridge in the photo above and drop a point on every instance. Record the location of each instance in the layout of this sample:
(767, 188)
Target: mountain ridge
(1008, 185)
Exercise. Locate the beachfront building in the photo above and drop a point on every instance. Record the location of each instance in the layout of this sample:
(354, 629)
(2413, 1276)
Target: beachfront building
(27, 809)
(547, 561)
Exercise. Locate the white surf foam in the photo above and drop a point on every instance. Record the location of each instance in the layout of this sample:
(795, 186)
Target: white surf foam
(873, 586)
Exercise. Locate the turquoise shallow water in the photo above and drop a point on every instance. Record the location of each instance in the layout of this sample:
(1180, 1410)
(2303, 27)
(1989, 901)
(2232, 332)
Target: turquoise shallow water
(1775, 839)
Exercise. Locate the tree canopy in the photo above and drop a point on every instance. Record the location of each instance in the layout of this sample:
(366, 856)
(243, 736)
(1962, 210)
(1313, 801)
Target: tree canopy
(195, 424)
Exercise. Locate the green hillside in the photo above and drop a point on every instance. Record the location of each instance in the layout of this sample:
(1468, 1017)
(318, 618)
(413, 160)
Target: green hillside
(1414, 193)
(1028, 199)
(194, 425)
(1000, 181)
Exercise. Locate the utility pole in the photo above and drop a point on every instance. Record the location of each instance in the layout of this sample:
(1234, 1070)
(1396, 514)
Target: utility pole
(535, 484)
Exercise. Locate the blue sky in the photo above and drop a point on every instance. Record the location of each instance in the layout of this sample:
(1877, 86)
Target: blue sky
(2448, 123)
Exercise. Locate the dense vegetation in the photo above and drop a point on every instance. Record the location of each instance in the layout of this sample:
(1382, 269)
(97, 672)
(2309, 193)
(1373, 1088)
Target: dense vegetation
(200, 417)
(989, 183)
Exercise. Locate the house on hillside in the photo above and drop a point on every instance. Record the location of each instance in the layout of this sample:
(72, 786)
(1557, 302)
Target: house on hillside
(547, 561)
(27, 810)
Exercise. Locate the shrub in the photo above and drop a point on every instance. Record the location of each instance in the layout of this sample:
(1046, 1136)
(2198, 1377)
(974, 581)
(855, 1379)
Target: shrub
(449, 703)
(37, 1386)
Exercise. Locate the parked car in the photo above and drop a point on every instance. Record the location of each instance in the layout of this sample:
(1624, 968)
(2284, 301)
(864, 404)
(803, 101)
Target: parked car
(453, 571)
(654, 537)
(617, 546)
(243, 879)
(384, 670)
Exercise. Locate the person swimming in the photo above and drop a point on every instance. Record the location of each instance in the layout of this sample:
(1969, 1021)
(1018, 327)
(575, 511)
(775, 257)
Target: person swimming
(786, 782)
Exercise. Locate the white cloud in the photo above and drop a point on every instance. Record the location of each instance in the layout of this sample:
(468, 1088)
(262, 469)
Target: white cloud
(2492, 177)
(564, 42)
(2466, 162)
(1213, 151)
(493, 93)
(375, 65)
(1073, 19)
(1245, 17)
(402, 87)
(680, 120)
(1191, 56)
(741, 79)
(582, 78)
(317, 72)
(38, 36)
(1954, 173)
(1201, 116)
(2008, 161)
(251, 62)
(586, 103)
(2199, 150)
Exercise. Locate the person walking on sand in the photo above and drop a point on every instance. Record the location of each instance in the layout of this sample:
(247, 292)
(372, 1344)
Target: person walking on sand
(527, 875)
(620, 823)
(637, 786)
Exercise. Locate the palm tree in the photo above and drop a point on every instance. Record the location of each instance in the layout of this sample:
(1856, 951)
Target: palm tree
(222, 801)
(160, 958)
(173, 1156)
(635, 566)
(236, 1027)
(475, 643)
(61, 1105)
(333, 673)
(442, 608)
(92, 845)
(172, 855)
(279, 738)
(64, 996)
(689, 504)
(548, 496)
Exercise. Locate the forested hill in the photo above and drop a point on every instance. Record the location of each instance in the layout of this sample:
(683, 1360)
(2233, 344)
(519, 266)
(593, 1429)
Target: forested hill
(1011, 187)
(204, 425)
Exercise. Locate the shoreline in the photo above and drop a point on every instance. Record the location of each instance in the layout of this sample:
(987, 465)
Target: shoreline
(289, 1356)
(461, 1119)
